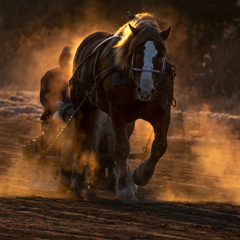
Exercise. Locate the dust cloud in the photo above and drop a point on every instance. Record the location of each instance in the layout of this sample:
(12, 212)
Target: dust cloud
(207, 168)
(26, 180)
(39, 52)
(204, 166)
(219, 168)
(14, 181)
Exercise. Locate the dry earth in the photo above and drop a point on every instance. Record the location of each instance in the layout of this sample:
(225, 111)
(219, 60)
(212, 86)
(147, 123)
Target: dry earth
(188, 197)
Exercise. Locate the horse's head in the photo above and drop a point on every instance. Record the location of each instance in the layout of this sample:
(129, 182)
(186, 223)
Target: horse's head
(148, 65)
(146, 56)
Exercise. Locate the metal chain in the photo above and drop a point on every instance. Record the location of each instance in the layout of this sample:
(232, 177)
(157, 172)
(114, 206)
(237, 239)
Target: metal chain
(145, 148)
(90, 93)
(173, 69)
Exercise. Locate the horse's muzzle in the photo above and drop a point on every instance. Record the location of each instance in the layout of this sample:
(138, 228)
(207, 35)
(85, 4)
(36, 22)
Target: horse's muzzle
(144, 95)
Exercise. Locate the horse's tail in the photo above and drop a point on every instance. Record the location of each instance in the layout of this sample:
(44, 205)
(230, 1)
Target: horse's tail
(94, 129)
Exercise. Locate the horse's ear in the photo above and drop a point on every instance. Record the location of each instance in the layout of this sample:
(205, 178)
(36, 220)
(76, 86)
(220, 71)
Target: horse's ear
(133, 30)
(165, 34)
(130, 16)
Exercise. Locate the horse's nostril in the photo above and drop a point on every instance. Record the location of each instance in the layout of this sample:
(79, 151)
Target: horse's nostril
(139, 90)
(152, 91)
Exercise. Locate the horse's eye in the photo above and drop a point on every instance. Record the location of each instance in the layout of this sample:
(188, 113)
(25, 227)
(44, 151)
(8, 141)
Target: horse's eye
(155, 76)
(157, 60)
(138, 52)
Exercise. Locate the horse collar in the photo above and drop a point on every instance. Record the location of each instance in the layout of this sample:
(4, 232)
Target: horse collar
(106, 40)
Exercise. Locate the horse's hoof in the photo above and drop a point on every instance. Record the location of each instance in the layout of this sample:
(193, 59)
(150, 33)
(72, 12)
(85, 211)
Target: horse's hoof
(140, 178)
(126, 195)
(80, 188)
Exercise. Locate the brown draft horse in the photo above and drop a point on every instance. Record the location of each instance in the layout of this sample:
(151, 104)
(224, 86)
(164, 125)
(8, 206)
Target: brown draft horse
(136, 55)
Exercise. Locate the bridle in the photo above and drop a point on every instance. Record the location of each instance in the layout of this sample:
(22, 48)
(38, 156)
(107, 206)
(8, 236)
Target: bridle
(160, 73)
(163, 61)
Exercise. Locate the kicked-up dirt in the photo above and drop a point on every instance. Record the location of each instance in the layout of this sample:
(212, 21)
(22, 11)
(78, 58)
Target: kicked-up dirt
(194, 194)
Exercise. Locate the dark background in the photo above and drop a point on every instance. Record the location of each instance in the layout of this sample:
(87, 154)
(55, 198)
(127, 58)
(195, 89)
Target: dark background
(204, 44)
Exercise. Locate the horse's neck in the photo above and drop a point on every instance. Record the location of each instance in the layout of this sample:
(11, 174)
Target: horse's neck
(108, 51)
(105, 59)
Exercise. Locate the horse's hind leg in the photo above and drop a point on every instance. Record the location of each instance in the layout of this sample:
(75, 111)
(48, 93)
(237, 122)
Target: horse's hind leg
(80, 186)
(143, 173)
(86, 139)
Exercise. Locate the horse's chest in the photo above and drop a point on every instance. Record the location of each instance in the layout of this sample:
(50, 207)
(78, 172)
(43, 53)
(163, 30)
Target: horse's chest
(135, 110)
(148, 111)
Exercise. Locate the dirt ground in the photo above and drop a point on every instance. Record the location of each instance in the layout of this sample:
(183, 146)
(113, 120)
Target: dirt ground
(178, 203)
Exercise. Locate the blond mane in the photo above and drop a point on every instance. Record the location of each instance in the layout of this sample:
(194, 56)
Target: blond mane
(148, 29)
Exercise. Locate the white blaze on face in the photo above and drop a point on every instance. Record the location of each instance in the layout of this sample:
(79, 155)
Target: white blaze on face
(146, 83)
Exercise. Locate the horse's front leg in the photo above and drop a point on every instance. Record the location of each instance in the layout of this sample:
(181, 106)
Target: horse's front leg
(125, 188)
(143, 173)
